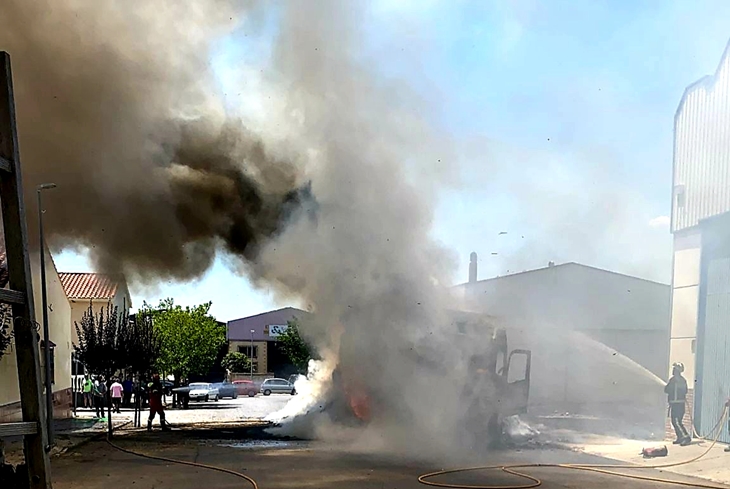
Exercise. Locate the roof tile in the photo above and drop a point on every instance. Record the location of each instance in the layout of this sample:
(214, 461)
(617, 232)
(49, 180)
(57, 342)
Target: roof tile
(88, 285)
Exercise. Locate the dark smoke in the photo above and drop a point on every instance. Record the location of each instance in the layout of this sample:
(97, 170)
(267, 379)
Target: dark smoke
(115, 105)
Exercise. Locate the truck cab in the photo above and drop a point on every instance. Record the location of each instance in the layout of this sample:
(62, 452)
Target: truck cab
(496, 383)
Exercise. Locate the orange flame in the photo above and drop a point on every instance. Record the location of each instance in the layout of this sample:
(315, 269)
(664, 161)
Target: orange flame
(359, 402)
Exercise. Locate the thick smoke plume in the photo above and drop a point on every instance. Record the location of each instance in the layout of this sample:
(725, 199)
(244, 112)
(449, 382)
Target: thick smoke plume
(118, 106)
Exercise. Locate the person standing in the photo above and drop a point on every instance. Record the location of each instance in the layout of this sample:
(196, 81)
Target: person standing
(676, 390)
(128, 387)
(155, 392)
(88, 388)
(117, 391)
(99, 395)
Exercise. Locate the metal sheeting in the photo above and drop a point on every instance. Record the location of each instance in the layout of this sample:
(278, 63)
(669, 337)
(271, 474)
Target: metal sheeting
(714, 344)
(702, 150)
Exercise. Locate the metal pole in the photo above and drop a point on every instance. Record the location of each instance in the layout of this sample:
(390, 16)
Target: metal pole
(251, 359)
(44, 307)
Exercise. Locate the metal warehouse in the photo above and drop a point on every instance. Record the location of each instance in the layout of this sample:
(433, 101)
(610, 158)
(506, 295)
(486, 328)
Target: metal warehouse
(700, 336)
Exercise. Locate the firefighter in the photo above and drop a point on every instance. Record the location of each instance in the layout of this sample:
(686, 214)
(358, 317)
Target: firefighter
(155, 392)
(676, 390)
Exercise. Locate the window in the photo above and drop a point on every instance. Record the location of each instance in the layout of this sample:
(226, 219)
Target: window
(246, 350)
(680, 196)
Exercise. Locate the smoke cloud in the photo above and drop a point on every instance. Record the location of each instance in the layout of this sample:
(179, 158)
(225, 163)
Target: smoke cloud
(327, 197)
(116, 106)
(322, 186)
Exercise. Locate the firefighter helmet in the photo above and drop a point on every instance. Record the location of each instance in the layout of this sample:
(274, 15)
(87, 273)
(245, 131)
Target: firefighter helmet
(678, 366)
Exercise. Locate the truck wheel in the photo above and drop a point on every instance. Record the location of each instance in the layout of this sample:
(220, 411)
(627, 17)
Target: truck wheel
(267, 392)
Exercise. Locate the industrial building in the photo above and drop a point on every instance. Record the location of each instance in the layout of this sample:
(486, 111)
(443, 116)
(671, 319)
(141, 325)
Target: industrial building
(700, 224)
(255, 337)
(599, 339)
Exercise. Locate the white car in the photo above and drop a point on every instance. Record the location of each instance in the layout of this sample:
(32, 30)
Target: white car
(201, 391)
(277, 386)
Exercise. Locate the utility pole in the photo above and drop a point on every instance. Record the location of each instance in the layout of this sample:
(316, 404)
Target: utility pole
(251, 359)
(20, 295)
(44, 306)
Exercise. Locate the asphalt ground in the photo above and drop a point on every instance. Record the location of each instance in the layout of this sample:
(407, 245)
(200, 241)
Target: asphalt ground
(277, 464)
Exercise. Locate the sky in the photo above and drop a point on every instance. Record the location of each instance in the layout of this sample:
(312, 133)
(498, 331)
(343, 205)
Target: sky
(561, 113)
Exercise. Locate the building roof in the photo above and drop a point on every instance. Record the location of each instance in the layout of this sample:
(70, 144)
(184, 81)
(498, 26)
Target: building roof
(562, 266)
(256, 328)
(89, 285)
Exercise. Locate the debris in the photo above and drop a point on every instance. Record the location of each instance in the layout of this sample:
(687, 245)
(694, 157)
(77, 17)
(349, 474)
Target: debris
(654, 452)
(517, 431)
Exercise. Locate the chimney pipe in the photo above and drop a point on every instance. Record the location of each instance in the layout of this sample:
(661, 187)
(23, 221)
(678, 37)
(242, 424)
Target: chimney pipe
(472, 268)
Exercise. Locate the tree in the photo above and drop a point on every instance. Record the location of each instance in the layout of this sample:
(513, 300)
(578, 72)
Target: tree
(294, 347)
(99, 346)
(236, 362)
(190, 338)
(140, 345)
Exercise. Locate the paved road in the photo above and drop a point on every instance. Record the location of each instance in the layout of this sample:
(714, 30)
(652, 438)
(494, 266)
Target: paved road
(297, 465)
(224, 410)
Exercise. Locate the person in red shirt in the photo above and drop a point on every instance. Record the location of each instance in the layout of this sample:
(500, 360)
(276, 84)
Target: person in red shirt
(155, 394)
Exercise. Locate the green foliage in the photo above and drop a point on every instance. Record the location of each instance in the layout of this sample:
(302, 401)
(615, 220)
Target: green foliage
(189, 337)
(236, 362)
(110, 343)
(140, 346)
(294, 347)
(99, 346)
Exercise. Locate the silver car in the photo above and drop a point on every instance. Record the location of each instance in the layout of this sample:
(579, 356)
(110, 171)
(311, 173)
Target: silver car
(201, 391)
(277, 386)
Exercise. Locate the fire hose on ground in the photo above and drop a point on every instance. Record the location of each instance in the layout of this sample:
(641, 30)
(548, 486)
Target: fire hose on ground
(606, 469)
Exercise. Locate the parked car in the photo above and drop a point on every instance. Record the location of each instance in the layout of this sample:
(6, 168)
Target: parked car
(277, 386)
(167, 387)
(246, 387)
(202, 391)
(226, 389)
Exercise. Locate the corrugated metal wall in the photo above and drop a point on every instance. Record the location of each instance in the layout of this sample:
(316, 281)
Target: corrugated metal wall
(714, 344)
(702, 150)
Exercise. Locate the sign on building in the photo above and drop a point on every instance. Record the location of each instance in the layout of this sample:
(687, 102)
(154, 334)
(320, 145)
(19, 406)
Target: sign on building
(275, 330)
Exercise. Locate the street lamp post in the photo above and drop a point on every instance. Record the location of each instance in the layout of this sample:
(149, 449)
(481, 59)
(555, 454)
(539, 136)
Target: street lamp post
(44, 306)
(251, 359)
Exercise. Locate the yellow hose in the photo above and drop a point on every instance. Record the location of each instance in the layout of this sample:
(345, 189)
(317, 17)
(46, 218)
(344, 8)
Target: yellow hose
(191, 464)
(598, 468)
(509, 469)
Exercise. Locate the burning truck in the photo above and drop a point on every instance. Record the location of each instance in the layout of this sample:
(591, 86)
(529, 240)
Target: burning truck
(493, 386)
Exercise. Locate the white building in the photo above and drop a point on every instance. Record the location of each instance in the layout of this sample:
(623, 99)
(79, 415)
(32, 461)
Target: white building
(700, 326)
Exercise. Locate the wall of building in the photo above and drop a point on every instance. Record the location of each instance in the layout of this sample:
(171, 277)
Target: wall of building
(685, 294)
(701, 152)
(260, 361)
(121, 300)
(629, 314)
(59, 314)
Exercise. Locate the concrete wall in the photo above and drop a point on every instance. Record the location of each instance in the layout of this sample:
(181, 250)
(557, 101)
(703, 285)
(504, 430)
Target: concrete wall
(685, 298)
(59, 317)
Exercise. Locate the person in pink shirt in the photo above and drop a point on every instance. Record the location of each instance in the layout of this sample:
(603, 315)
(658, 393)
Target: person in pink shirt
(117, 392)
